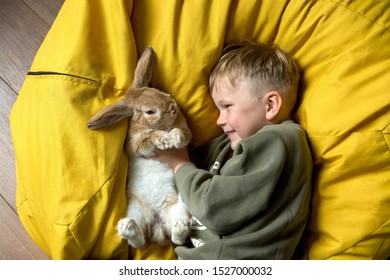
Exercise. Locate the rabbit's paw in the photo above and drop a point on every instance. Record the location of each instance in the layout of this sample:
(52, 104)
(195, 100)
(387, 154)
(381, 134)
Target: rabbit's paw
(163, 140)
(177, 138)
(128, 229)
(180, 231)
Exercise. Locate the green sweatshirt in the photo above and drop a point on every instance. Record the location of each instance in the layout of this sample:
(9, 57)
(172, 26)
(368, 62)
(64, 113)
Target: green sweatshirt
(250, 203)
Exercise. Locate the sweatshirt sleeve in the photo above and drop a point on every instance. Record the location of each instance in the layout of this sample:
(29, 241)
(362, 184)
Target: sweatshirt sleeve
(225, 202)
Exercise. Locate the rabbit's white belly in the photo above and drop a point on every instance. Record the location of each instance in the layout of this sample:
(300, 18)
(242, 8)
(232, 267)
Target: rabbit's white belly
(151, 180)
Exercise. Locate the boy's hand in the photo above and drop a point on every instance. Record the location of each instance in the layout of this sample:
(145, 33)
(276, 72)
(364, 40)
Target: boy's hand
(174, 158)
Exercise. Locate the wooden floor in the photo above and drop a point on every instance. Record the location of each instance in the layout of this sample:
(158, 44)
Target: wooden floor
(23, 26)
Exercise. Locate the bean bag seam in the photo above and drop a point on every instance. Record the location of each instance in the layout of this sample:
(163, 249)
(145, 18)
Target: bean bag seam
(339, 3)
(366, 237)
(383, 132)
(80, 214)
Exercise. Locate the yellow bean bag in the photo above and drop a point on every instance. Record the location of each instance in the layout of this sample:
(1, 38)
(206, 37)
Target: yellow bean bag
(71, 181)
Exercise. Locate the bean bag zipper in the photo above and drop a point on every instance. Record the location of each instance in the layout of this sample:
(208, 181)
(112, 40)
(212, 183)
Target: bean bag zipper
(46, 73)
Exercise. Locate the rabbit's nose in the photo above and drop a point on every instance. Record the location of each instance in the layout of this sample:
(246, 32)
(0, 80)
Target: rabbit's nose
(173, 109)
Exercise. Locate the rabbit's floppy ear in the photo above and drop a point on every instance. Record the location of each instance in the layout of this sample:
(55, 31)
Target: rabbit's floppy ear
(111, 114)
(144, 69)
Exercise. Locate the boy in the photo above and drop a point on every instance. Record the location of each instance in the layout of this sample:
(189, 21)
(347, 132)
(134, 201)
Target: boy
(252, 199)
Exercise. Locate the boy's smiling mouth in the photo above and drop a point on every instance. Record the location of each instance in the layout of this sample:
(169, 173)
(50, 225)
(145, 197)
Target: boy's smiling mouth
(230, 132)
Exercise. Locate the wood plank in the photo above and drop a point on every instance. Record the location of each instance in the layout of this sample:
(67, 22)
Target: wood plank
(15, 244)
(7, 162)
(21, 33)
(46, 10)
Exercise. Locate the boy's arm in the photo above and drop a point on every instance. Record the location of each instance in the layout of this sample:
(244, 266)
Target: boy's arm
(224, 202)
(175, 158)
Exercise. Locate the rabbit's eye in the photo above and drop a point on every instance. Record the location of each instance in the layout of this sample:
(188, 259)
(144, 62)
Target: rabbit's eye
(150, 112)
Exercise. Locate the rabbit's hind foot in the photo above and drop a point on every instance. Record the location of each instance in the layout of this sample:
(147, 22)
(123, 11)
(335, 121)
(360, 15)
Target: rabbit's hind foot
(128, 229)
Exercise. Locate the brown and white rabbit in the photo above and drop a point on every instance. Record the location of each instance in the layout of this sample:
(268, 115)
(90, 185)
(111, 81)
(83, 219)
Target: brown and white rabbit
(155, 210)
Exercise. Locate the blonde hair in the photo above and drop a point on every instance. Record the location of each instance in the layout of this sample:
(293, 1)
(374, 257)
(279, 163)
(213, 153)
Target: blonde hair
(266, 66)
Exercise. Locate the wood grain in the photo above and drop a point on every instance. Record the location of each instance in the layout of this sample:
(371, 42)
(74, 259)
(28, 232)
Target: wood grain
(7, 162)
(46, 10)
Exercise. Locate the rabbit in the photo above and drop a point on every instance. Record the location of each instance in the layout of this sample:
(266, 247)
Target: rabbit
(155, 210)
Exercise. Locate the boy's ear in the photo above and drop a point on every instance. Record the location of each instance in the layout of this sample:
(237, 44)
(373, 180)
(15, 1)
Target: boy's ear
(273, 106)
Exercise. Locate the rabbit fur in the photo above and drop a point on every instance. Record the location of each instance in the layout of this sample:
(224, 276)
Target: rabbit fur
(155, 210)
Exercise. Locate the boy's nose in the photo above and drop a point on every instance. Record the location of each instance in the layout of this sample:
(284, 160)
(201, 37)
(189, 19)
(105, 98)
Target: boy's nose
(221, 121)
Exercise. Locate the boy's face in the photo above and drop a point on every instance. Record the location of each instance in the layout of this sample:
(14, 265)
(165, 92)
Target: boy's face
(240, 114)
